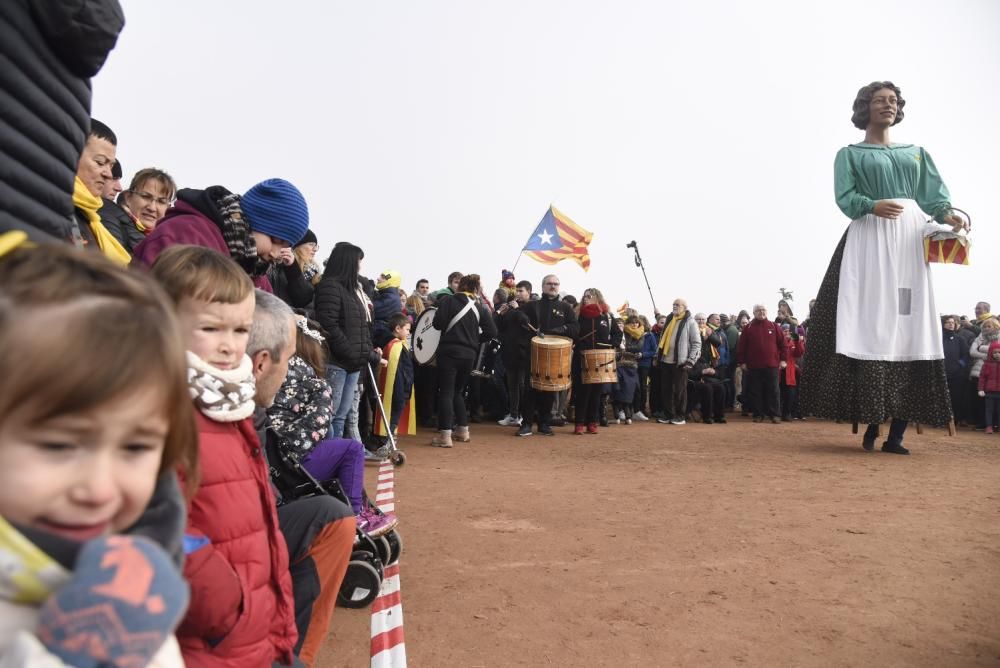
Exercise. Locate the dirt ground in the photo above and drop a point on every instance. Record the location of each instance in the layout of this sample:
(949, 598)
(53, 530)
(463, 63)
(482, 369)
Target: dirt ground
(697, 545)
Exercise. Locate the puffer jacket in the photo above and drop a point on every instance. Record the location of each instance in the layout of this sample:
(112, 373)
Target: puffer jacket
(120, 225)
(301, 412)
(686, 346)
(977, 351)
(50, 50)
(989, 376)
(242, 612)
(342, 314)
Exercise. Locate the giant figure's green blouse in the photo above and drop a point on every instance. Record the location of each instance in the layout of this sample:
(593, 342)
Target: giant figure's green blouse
(866, 173)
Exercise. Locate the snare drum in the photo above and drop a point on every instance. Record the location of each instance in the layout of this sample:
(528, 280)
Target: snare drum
(486, 359)
(424, 339)
(551, 360)
(598, 366)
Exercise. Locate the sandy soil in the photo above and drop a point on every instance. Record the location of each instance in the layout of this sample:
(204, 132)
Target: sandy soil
(698, 545)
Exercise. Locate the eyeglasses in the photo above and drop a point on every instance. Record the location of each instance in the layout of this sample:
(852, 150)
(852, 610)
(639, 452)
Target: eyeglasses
(148, 197)
(553, 284)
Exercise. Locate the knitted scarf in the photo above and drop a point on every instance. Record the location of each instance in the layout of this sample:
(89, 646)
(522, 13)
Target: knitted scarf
(222, 395)
(236, 233)
(635, 331)
(89, 204)
(666, 341)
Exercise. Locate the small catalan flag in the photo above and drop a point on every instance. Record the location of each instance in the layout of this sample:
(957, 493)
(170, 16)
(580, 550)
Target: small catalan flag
(558, 238)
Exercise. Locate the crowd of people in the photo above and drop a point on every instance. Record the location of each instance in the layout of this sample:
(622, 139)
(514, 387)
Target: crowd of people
(147, 513)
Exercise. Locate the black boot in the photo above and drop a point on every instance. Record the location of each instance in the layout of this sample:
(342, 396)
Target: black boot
(894, 444)
(868, 442)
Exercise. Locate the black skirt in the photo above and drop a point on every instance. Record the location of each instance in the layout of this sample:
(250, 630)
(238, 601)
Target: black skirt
(837, 387)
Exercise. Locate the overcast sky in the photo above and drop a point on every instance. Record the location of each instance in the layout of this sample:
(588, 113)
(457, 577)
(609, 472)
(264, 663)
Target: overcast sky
(435, 134)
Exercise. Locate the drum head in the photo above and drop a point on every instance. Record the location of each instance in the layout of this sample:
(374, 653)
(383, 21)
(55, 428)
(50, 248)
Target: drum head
(425, 339)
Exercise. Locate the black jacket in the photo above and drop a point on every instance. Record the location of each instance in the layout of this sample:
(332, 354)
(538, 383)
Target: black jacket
(49, 50)
(462, 341)
(552, 316)
(515, 337)
(599, 332)
(290, 285)
(342, 315)
(120, 225)
(956, 355)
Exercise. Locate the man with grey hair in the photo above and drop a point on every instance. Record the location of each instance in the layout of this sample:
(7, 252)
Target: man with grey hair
(680, 348)
(760, 353)
(319, 530)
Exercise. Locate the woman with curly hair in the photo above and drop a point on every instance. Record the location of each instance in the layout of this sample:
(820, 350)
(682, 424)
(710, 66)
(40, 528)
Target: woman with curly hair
(875, 348)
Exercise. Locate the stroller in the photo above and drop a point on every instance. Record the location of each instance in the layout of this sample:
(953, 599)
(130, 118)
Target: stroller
(394, 454)
(370, 556)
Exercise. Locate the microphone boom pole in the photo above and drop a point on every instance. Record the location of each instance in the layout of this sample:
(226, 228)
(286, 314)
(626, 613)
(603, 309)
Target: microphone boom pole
(638, 262)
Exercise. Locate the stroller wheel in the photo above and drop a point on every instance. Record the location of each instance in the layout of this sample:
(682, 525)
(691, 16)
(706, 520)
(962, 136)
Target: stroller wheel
(360, 586)
(372, 559)
(384, 549)
(395, 546)
(397, 458)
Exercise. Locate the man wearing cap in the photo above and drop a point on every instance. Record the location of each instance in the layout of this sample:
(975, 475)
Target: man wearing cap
(251, 229)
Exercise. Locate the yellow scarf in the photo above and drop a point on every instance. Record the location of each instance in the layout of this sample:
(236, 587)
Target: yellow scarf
(666, 343)
(635, 331)
(89, 204)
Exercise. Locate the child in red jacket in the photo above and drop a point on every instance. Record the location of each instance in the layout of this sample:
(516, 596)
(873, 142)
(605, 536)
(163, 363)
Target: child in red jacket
(788, 377)
(989, 385)
(242, 611)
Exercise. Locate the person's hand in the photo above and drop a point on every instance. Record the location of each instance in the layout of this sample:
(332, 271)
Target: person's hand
(383, 362)
(122, 602)
(783, 365)
(503, 308)
(286, 257)
(688, 366)
(982, 393)
(743, 366)
(957, 223)
(708, 372)
(886, 208)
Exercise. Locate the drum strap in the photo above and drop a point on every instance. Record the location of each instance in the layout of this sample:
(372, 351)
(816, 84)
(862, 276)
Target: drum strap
(469, 306)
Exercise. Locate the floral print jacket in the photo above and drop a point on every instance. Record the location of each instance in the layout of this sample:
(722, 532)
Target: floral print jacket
(302, 409)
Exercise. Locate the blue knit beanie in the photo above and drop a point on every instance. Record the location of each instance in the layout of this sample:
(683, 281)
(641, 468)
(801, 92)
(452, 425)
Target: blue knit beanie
(276, 208)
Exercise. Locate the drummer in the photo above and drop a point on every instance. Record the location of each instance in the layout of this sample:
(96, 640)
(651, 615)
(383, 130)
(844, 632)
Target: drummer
(548, 315)
(464, 322)
(598, 331)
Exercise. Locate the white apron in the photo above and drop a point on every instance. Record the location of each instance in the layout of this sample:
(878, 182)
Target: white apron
(885, 303)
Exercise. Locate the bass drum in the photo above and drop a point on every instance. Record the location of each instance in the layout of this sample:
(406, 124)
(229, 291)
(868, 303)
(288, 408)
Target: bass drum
(424, 339)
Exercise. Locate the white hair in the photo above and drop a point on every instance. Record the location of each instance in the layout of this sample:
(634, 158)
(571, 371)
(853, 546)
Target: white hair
(270, 325)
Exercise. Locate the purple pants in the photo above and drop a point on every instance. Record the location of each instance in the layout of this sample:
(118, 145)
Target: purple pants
(343, 459)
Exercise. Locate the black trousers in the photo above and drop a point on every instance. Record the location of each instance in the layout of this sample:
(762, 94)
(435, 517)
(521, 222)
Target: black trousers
(710, 396)
(301, 522)
(587, 398)
(452, 374)
(643, 393)
(517, 388)
(537, 405)
(764, 392)
(673, 390)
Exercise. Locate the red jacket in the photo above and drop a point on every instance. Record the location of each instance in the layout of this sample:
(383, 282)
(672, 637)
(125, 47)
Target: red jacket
(184, 224)
(242, 613)
(989, 377)
(793, 350)
(761, 345)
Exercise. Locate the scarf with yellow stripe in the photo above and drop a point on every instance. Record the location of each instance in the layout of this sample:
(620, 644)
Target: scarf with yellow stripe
(29, 575)
(89, 204)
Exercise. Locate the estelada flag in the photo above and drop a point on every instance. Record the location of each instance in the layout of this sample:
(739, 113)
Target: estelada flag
(558, 238)
(387, 389)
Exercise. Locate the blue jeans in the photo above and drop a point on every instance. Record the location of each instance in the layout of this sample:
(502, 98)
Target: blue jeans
(343, 385)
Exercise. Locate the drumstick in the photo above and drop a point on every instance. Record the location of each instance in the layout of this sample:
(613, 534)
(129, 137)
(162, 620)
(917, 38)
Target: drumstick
(540, 333)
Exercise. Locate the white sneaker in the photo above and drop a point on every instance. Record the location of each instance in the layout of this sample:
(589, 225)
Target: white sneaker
(621, 417)
(628, 420)
(640, 416)
(509, 421)
(678, 421)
